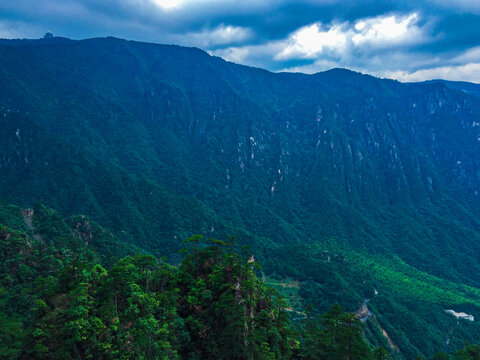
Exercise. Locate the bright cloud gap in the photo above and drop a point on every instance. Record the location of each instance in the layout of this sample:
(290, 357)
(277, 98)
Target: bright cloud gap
(340, 43)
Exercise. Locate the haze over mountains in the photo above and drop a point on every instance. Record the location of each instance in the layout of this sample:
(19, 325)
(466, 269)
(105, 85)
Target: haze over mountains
(331, 173)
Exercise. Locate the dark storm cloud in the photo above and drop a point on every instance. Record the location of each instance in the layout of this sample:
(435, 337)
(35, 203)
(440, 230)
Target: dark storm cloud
(409, 40)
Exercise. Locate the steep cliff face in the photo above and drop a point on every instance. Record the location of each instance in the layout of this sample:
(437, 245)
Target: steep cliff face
(280, 158)
(325, 176)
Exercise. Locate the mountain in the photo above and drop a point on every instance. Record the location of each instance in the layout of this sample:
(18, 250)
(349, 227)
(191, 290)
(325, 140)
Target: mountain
(341, 181)
(57, 302)
(469, 88)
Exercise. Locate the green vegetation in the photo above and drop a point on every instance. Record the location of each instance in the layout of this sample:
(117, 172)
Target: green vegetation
(56, 303)
(406, 280)
(69, 292)
(340, 184)
(289, 289)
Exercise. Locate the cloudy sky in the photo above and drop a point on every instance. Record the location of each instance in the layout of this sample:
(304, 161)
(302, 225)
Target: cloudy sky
(409, 40)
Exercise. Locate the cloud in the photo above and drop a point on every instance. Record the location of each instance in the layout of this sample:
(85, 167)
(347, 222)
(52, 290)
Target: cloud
(459, 6)
(18, 29)
(367, 41)
(388, 30)
(469, 56)
(384, 31)
(462, 67)
(311, 41)
(468, 72)
(221, 35)
(169, 4)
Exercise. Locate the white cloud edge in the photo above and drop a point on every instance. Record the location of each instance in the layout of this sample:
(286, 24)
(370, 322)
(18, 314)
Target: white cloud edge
(467, 72)
(340, 41)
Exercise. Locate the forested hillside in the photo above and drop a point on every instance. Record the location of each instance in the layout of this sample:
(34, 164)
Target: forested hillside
(59, 302)
(348, 189)
(67, 295)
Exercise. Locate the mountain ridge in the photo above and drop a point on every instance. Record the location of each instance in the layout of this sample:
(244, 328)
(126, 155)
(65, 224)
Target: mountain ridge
(160, 142)
(61, 39)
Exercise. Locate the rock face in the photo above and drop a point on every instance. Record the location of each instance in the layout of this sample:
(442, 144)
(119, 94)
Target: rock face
(184, 142)
(461, 315)
(363, 313)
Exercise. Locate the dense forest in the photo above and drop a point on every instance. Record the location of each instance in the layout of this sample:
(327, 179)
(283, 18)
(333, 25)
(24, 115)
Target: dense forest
(57, 302)
(67, 294)
(347, 189)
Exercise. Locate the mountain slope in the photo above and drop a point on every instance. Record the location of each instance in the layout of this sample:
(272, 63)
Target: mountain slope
(159, 142)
